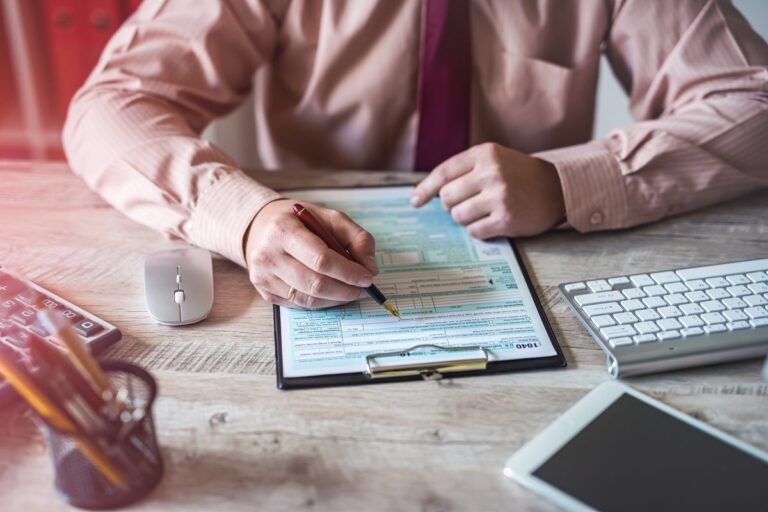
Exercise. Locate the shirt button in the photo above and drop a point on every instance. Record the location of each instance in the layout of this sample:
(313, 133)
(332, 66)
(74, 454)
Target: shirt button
(596, 218)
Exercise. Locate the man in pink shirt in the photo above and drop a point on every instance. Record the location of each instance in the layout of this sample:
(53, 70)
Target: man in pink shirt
(495, 99)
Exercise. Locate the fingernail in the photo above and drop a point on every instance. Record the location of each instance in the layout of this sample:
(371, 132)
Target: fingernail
(415, 200)
(365, 282)
(372, 263)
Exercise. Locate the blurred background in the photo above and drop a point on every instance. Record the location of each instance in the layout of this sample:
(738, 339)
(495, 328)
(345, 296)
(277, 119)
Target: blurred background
(48, 48)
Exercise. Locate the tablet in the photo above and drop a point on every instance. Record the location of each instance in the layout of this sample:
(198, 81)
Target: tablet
(467, 305)
(619, 450)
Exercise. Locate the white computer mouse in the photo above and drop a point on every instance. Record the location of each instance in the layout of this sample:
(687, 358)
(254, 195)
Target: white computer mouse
(178, 286)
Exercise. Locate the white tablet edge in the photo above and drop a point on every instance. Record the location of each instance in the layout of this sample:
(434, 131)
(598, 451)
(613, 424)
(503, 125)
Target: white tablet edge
(524, 462)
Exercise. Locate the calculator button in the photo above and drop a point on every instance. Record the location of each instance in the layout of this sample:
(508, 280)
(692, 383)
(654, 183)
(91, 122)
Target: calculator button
(736, 326)
(717, 282)
(647, 314)
(575, 287)
(621, 342)
(691, 309)
(30, 297)
(632, 305)
(24, 316)
(675, 299)
(711, 329)
(668, 335)
(697, 285)
(756, 312)
(17, 337)
(49, 303)
(668, 324)
(72, 316)
(713, 305)
(40, 329)
(676, 288)
(755, 300)
(697, 296)
(655, 290)
(738, 279)
(641, 280)
(670, 312)
(757, 277)
(618, 331)
(633, 293)
(692, 331)
(654, 302)
(691, 321)
(9, 286)
(597, 298)
(646, 327)
(665, 277)
(625, 318)
(616, 281)
(600, 285)
(644, 338)
(603, 320)
(88, 328)
(738, 291)
(602, 309)
(7, 307)
(713, 318)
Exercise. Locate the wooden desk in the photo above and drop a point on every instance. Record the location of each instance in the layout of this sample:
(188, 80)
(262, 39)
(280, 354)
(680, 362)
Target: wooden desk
(232, 441)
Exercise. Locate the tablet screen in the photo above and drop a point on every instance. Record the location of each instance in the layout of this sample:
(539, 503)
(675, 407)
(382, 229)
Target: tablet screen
(636, 457)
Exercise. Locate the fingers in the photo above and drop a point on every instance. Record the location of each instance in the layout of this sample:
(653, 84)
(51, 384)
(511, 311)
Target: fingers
(313, 253)
(314, 285)
(360, 243)
(473, 209)
(487, 227)
(442, 174)
(277, 293)
(461, 189)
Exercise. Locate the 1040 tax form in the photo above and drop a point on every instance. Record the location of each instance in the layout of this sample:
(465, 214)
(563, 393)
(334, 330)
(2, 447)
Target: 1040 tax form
(452, 291)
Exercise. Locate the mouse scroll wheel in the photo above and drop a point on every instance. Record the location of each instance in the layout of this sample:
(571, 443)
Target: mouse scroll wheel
(178, 296)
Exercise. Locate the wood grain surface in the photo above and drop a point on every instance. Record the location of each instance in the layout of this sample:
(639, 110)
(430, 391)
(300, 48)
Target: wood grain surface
(232, 441)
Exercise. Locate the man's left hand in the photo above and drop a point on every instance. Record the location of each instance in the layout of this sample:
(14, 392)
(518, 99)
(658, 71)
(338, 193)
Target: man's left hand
(496, 191)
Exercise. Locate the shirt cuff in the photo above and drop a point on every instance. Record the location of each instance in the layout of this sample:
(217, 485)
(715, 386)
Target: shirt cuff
(224, 213)
(593, 186)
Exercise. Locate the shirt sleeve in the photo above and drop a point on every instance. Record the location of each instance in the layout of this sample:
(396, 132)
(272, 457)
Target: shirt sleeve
(697, 78)
(133, 131)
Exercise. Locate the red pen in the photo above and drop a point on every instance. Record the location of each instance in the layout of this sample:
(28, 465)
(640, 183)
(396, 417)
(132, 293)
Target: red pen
(318, 229)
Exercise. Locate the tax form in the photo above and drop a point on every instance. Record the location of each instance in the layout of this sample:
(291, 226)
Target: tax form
(451, 290)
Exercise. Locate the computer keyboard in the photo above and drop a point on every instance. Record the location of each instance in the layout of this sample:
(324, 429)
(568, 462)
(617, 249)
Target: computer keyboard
(678, 318)
(20, 299)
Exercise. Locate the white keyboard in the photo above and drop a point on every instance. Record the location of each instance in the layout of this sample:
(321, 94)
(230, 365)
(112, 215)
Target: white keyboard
(678, 318)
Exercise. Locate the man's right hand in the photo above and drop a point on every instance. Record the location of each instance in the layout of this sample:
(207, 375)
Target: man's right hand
(282, 253)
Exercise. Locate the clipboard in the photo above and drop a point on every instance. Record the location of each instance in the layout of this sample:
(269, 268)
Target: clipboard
(424, 361)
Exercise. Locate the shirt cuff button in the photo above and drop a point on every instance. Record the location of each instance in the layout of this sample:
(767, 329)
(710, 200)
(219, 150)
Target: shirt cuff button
(596, 218)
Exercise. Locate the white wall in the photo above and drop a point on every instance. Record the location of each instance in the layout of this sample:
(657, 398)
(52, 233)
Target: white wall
(236, 132)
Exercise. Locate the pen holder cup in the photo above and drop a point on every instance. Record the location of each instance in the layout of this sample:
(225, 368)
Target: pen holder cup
(135, 453)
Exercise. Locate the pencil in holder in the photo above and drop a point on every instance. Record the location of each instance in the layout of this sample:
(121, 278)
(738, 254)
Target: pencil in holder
(132, 455)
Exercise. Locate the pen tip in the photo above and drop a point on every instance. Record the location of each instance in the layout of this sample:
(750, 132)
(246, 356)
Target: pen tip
(392, 310)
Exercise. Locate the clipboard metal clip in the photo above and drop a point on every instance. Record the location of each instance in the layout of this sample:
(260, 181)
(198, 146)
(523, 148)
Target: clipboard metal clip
(429, 361)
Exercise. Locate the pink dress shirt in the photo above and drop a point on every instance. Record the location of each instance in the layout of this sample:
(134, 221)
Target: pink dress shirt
(335, 85)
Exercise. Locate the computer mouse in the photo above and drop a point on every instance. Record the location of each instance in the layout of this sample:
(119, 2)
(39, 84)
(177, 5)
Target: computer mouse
(178, 286)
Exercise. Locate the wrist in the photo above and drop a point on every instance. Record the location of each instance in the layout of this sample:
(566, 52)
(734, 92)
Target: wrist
(247, 235)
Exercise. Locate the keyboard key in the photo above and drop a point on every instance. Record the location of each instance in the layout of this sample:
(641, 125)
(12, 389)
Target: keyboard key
(738, 291)
(24, 316)
(736, 326)
(676, 288)
(655, 290)
(670, 312)
(665, 277)
(597, 298)
(620, 342)
(738, 279)
(654, 302)
(713, 318)
(755, 300)
(759, 322)
(697, 296)
(734, 303)
(9, 286)
(757, 277)
(675, 299)
(691, 309)
(72, 316)
(756, 312)
(633, 293)
(618, 331)
(692, 331)
(711, 329)
(647, 314)
(641, 280)
(713, 305)
(717, 282)
(668, 335)
(88, 328)
(575, 287)
(646, 327)
(739, 267)
(735, 315)
(718, 293)
(617, 281)
(758, 287)
(602, 309)
(697, 285)
(691, 321)
(669, 324)
(644, 338)
(632, 305)
(603, 320)
(30, 297)
(625, 318)
(600, 285)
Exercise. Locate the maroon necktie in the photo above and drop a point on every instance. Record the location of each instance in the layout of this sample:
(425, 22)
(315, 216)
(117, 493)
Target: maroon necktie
(445, 72)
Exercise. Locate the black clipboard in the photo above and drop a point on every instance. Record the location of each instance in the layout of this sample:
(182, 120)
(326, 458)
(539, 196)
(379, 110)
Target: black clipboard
(461, 366)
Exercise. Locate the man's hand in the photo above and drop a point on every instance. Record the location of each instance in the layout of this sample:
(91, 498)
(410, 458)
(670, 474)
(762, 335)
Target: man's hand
(496, 191)
(282, 253)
